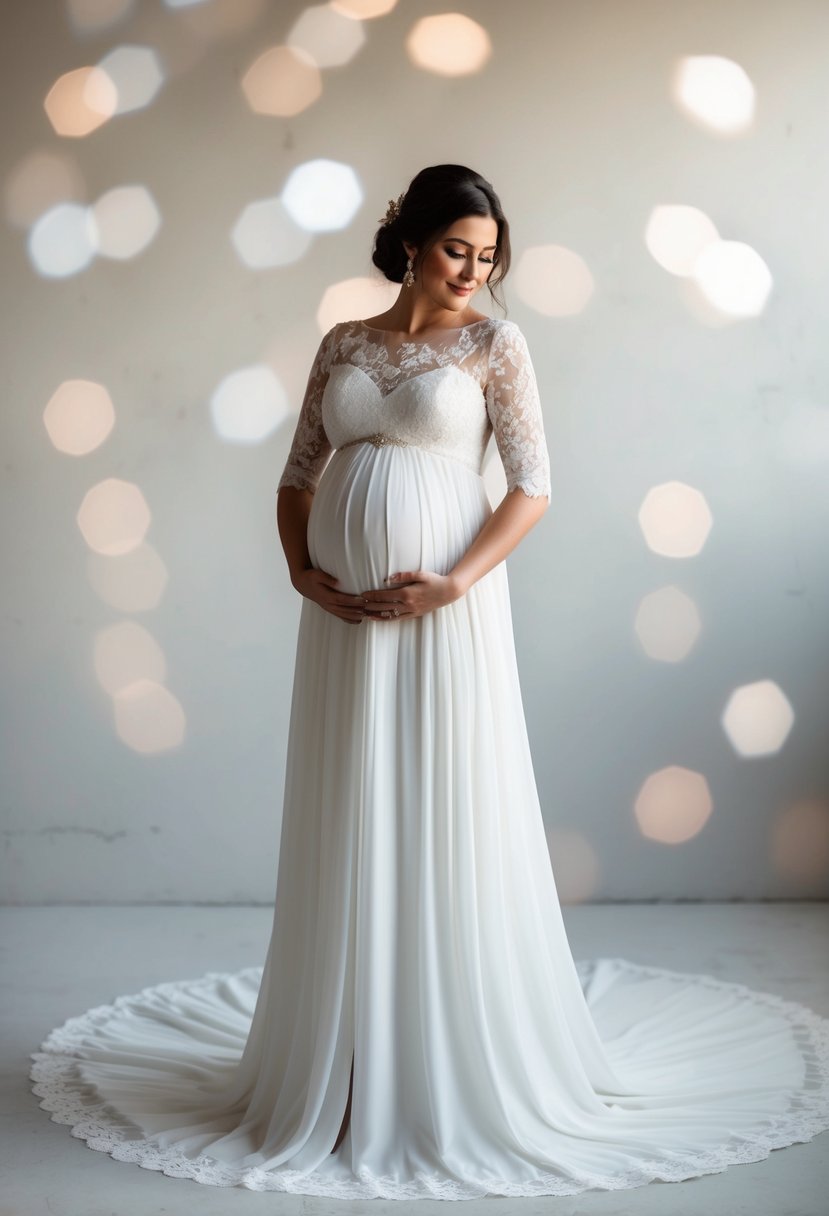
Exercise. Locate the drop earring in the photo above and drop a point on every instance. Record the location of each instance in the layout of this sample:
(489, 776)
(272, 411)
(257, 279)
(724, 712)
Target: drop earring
(408, 278)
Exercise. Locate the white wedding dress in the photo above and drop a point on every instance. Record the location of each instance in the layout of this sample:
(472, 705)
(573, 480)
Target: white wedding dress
(417, 931)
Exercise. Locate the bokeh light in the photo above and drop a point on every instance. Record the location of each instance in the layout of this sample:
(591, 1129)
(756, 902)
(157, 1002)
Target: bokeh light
(62, 241)
(673, 805)
(113, 516)
(716, 92)
(329, 38)
(553, 280)
(79, 416)
(80, 101)
(282, 82)
(676, 235)
(124, 222)
(449, 44)
(126, 652)
(136, 74)
(733, 277)
(249, 404)
(148, 718)
(265, 235)
(758, 718)
(322, 195)
(675, 520)
(667, 624)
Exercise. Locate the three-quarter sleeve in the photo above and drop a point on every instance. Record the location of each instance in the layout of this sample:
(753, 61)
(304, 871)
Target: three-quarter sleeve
(310, 447)
(514, 409)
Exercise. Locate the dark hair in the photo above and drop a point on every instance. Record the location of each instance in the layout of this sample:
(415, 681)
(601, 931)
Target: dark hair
(436, 197)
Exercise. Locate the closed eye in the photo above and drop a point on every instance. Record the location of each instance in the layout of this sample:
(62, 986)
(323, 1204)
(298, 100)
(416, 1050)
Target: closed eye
(454, 254)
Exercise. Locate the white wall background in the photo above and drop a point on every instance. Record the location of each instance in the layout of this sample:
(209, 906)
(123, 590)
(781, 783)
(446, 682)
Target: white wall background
(573, 118)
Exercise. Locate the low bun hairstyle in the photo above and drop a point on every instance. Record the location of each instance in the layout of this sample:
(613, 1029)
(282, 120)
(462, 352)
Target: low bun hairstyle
(436, 197)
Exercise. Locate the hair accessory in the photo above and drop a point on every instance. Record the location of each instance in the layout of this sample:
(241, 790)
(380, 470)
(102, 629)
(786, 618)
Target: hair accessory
(392, 211)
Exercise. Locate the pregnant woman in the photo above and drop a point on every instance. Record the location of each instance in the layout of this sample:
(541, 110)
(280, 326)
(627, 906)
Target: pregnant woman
(419, 1027)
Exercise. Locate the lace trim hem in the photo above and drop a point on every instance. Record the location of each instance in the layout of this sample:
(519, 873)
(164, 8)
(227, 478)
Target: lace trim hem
(532, 488)
(72, 1102)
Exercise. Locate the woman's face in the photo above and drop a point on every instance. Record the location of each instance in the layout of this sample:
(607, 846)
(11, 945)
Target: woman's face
(461, 259)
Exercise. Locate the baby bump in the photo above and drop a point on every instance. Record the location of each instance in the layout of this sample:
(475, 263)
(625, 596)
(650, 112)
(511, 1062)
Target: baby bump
(378, 510)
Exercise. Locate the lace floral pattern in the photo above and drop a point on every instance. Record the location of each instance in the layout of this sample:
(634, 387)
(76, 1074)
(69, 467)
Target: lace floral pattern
(310, 448)
(492, 353)
(73, 1102)
(514, 408)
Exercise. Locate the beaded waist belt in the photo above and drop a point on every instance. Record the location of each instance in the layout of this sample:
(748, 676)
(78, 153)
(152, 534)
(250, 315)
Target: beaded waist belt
(378, 439)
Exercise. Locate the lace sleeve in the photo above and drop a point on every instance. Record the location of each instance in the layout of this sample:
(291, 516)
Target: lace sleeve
(310, 447)
(514, 409)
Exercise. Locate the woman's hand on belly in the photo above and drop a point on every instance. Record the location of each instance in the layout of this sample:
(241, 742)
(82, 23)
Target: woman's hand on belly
(321, 587)
(411, 593)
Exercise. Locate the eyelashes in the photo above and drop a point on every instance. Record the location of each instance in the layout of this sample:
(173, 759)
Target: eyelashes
(454, 254)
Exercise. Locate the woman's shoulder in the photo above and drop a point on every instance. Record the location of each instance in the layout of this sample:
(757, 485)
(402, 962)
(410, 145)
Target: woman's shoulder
(343, 329)
(506, 337)
(505, 324)
(507, 333)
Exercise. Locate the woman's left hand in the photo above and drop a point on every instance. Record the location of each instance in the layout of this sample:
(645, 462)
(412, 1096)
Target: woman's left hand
(412, 593)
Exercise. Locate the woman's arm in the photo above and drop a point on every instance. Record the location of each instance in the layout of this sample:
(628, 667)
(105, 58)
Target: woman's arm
(509, 523)
(514, 408)
(293, 506)
(310, 450)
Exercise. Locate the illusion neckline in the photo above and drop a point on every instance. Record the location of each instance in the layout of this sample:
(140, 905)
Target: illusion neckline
(455, 329)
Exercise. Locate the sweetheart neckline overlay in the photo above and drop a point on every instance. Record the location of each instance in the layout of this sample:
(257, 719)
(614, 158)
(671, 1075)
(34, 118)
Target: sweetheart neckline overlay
(452, 367)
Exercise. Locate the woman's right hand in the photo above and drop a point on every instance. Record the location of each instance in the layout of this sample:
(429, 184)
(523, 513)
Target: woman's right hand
(321, 587)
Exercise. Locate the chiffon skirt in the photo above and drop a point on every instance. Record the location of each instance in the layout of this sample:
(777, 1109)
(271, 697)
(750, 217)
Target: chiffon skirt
(418, 939)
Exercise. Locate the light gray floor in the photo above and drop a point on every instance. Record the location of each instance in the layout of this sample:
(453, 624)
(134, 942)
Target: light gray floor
(58, 962)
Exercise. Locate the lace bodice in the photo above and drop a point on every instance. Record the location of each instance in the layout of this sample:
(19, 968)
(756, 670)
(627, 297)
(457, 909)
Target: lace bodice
(447, 392)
